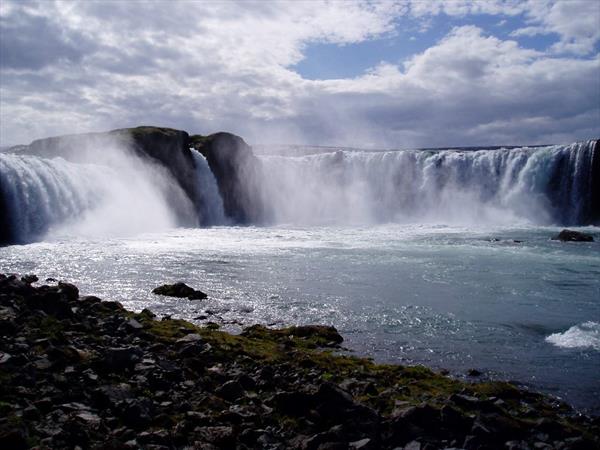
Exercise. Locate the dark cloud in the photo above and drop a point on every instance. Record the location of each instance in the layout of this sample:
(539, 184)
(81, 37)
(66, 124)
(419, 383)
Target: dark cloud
(33, 42)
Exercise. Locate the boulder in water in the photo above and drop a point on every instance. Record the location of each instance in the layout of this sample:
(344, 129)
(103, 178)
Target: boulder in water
(573, 236)
(180, 290)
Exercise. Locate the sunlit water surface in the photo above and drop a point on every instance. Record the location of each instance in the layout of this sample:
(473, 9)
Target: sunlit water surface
(446, 297)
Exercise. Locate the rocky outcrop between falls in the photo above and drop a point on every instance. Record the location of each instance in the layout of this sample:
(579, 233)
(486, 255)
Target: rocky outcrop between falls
(79, 372)
(237, 171)
(239, 175)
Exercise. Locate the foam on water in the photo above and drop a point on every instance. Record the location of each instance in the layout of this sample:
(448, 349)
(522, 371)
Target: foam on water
(584, 335)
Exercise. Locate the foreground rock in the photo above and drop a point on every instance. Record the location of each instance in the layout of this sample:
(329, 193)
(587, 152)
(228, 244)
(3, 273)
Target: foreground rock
(180, 290)
(80, 372)
(573, 236)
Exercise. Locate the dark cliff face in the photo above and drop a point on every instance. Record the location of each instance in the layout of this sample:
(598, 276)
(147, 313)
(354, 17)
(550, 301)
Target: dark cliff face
(167, 146)
(239, 175)
(594, 213)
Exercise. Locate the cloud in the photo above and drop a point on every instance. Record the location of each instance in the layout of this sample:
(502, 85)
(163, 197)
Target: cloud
(22, 48)
(204, 67)
(577, 22)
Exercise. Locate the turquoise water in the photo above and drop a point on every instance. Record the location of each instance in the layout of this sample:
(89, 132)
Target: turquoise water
(444, 296)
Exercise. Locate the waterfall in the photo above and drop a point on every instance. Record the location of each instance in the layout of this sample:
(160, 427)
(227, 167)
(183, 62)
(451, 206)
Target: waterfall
(539, 185)
(125, 194)
(53, 196)
(211, 211)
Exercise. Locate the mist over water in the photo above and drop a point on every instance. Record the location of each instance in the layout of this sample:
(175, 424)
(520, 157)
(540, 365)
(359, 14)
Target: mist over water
(505, 186)
(109, 191)
(104, 189)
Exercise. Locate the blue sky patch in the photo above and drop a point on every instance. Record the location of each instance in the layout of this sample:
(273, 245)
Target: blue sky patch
(323, 61)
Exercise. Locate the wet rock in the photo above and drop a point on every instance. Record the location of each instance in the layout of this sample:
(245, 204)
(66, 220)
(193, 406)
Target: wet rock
(180, 290)
(573, 236)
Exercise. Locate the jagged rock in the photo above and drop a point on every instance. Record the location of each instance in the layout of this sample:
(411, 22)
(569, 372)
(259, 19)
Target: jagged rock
(573, 236)
(180, 290)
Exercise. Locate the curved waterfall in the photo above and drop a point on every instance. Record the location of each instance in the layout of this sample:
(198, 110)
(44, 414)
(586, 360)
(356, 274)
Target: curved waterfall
(543, 185)
(41, 196)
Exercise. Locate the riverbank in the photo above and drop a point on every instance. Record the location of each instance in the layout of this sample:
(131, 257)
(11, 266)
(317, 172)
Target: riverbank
(79, 371)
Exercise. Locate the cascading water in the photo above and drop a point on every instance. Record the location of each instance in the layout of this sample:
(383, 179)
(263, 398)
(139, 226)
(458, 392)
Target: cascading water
(39, 193)
(54, 196)
(211, 210)
(544, 185)
(505, 186)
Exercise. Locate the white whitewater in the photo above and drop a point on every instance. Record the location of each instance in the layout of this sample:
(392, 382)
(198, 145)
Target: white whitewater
(584, 335)
(541, 185)
(122, 194)
(211, 211)
(61, 198)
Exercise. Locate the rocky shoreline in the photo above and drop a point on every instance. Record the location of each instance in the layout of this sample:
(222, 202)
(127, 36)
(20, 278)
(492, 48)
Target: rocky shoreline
(79, 372)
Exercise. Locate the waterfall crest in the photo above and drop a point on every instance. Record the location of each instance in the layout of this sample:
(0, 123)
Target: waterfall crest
(53, 196)
(125, 194)
(540, 185)
(211, 210)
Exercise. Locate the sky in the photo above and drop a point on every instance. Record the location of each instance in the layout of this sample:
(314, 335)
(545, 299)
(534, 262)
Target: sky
(391, 74)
